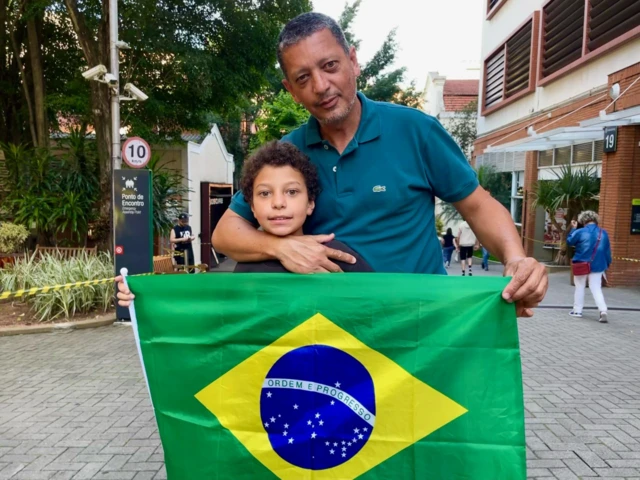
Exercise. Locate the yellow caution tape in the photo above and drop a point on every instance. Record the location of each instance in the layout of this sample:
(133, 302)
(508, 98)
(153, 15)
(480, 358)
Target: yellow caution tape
(54, 288)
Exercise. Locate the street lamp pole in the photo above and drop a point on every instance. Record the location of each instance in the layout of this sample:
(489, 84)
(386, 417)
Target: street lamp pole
(116, 161)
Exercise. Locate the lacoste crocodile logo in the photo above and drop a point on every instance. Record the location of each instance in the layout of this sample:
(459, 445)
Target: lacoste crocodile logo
(379, 188)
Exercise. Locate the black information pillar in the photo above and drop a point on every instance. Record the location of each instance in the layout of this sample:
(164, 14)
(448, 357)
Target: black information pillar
(132, 216)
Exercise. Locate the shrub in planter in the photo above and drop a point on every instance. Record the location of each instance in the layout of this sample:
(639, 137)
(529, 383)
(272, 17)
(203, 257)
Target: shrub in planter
(12, 237)
(53, 270)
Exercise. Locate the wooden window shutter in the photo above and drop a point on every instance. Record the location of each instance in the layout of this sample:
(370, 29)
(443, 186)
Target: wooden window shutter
(492, 3)
(494, 79)
(563, 34)
(610, 19)
(519, 60)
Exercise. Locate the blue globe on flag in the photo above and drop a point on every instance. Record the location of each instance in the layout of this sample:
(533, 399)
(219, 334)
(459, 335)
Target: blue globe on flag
(317, 406)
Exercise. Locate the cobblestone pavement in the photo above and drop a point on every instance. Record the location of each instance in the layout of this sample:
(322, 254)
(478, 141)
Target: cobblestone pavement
(74, 405)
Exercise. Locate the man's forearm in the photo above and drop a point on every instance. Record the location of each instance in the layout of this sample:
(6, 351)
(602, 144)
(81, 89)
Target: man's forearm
(493, 225)
(242, 242)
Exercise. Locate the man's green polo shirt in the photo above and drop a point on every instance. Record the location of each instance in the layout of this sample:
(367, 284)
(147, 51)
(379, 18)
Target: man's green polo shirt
(378, 197)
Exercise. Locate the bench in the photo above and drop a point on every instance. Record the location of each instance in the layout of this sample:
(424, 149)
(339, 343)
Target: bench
(64, 252)
(164, 264)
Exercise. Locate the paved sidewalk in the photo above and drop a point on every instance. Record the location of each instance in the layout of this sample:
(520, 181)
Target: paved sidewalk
(74, 405)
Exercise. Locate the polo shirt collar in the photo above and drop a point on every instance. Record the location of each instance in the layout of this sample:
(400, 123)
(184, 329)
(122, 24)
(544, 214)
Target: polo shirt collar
(369, 128)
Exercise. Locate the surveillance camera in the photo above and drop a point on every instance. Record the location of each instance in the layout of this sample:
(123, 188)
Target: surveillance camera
(95, 72)
(110, 79)
(135, 92)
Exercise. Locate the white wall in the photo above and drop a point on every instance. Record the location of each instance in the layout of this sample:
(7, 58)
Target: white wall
(592, 76)
(205, 162)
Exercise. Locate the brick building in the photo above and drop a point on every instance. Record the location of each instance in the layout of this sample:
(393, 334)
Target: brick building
(556, 73)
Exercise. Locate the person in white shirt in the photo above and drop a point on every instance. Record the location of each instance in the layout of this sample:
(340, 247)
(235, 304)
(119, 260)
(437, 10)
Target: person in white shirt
(466, 243)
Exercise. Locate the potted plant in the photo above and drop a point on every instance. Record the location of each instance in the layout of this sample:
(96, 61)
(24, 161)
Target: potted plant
(12, 240)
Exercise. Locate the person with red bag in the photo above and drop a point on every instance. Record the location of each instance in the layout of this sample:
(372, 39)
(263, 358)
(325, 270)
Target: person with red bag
(591, 259)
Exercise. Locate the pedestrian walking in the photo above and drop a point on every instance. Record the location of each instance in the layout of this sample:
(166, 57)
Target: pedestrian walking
(485, 258)
(447, 247)
(466, 243)
(590, 261)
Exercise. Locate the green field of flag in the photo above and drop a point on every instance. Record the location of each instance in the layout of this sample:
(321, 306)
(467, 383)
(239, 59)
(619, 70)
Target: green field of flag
(327, 377)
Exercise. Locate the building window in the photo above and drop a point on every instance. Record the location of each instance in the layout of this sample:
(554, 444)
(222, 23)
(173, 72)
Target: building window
(562, 156)
(545, 158)
(572, 155)
(565, 40)
(508, 71)
(493, 6)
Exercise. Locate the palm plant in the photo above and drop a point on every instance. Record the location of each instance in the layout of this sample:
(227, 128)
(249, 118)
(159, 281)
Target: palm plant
(573, 190)
(169, 190)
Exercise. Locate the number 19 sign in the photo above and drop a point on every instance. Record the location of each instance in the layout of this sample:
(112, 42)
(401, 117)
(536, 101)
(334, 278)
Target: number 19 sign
(136, 152)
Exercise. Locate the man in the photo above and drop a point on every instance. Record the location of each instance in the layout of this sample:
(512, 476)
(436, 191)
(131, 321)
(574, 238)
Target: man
(381, 167)
(466, 243)
(181, 236)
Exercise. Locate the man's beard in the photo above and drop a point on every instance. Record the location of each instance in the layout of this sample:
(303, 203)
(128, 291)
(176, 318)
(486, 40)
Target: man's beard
(341, 116)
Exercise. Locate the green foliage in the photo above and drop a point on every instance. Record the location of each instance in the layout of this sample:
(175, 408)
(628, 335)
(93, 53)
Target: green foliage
(463, 129)
(12, 237)
(377, 80)
(169, 190)
(439, 225)
(279, 117)
(574, 190)
(497, 184)
(53, 270)
(54, 195)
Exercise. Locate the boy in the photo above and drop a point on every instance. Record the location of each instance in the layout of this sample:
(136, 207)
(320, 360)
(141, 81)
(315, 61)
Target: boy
(281, 186)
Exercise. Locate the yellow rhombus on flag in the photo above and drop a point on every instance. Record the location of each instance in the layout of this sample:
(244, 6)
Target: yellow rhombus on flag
(404, 409)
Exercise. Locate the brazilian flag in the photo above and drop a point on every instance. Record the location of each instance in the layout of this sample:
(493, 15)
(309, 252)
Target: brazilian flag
(331, 377)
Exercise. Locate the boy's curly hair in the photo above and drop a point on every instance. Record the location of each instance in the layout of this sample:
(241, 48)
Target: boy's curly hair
(279, 154)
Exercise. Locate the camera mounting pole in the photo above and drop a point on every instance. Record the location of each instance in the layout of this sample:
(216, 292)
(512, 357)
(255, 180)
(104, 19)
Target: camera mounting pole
(116, 161)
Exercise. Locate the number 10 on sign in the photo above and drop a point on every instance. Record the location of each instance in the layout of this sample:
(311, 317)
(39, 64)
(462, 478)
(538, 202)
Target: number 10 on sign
(136, 152)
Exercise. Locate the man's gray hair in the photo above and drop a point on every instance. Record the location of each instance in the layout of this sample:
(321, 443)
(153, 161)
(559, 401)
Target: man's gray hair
(588, 216)
(305, 25)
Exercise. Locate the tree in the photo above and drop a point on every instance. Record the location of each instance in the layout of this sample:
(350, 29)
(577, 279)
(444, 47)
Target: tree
(573, 190)
(463, 128)
(191, 58)
(278, 118)
(376, 81)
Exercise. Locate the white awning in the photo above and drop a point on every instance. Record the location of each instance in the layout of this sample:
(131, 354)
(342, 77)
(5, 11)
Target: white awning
(557, 138)
(628, 116)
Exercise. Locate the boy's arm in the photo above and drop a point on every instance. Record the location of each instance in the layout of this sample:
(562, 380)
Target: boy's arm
(237, 238)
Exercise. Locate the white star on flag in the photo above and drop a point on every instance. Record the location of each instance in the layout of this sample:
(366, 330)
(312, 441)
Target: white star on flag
(332, 402)
(343, 442)
(286, 425)
(349, 444)
(337, 384)
(335, 444)
(291, 440)
(273, 419)
(317, 415)
(321, 422)
(266, 425)
(344, 449)
(354, 440)
(295, 407)
(308, 422)
(269, 394)
(360, 436)
(326, 443)
(331, 452)
(313, 435)
(344, 455)
(284, 433)
(356, 430)
(365, 429)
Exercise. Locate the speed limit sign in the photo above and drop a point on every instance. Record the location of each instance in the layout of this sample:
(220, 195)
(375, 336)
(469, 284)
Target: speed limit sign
(136, 152)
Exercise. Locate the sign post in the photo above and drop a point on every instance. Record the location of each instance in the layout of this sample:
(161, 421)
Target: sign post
(136, 152)
(133, 224)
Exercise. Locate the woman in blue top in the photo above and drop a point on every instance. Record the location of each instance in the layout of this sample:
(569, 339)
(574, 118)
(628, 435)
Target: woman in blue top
(585, 240)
